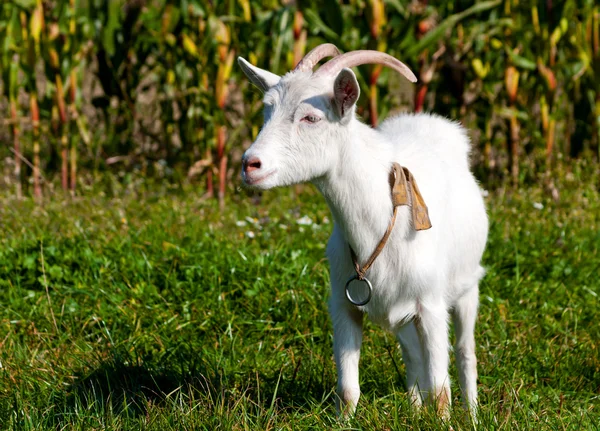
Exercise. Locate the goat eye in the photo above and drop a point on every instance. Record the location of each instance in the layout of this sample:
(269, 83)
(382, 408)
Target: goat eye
(311, 119)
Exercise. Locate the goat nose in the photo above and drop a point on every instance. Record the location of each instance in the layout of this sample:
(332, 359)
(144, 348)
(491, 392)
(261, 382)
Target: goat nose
(251, 164)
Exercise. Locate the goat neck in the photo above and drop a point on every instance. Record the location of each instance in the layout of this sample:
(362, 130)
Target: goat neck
(357, 188)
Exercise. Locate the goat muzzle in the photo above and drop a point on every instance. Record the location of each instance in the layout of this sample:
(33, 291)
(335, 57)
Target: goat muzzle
(251, 164)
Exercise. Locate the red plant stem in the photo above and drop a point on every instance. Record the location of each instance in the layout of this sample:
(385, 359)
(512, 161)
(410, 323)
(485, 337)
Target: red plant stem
(299, 37)
(64, 168)
(16, 145)
(373, 95)
(222, 159)
(62, 114)
(550, 140)
(73, 119)
(73, 166)
(60, 102)
(222, 180)
(221, 133)
(420, 98)
(210, 190)
(514, 149)
(373, 105)
(35, 120)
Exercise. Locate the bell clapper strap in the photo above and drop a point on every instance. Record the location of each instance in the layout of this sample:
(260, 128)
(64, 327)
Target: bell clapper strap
(404, 192)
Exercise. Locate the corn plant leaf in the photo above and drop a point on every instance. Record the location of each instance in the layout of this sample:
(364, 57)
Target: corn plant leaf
(332, 13)
(13, 83)
(83, 129)
(189, 46)
(283, 21)
(170, 19)
(397, 5)
(520, 61)
(506, 112)
(36, 23)
(112, 24)
(439, 32)
(25, 4)
(197, 9)
(315, 22)
(8, 39)
(245, 4)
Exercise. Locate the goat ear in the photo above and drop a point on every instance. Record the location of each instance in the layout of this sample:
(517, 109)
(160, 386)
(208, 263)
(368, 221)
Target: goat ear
(345, 93)
(263, 79)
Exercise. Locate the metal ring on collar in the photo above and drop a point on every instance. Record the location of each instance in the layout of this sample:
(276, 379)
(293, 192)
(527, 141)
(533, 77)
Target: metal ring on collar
(369, 285)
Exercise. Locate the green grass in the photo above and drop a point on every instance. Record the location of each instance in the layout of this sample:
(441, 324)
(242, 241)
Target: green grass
(158, 311)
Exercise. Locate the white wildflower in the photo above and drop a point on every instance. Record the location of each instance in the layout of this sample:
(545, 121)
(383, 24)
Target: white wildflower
(252, 220)
(305, 221)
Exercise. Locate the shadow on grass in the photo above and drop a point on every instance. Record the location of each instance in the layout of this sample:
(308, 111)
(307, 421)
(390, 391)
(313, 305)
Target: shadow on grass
(117, 387)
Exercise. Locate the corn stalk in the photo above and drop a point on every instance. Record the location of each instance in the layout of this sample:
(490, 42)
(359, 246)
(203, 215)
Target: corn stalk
(299, 37)
(225, 58)
(36, 26)
(9, 69)
(511, 83)
(73, 117)
(16, 145)
(377, 23)
(183, 54)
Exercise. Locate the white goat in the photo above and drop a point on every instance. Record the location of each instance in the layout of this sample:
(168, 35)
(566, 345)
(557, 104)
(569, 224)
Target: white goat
(310, 133)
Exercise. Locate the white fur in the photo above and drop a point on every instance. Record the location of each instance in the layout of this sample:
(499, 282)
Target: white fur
(420, 278)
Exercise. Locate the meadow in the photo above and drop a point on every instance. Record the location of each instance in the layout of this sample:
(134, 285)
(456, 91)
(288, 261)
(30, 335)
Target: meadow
(150, 308)
(131, 299)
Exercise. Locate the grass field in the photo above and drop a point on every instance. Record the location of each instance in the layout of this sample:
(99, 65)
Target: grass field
(154, 310)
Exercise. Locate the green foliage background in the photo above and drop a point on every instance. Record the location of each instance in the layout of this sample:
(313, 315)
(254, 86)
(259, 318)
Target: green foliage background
(151, 85)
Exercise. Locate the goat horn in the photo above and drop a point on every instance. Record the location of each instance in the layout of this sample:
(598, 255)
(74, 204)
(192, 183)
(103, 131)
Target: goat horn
(356, 58)
(315, 55)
